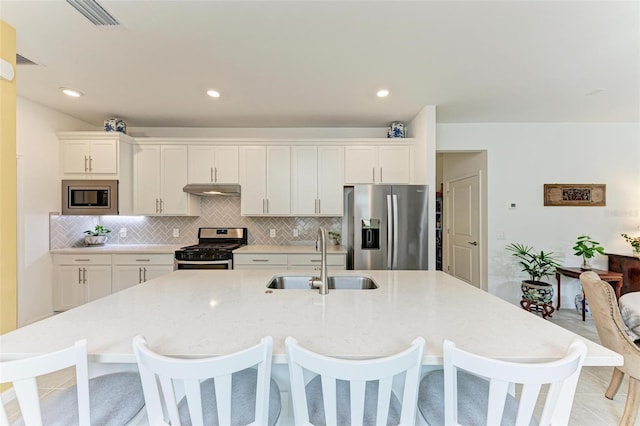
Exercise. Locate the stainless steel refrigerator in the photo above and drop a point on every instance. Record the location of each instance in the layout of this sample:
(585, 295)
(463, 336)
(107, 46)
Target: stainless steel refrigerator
(386, 226)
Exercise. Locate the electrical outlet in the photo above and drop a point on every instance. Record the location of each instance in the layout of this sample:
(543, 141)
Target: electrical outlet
(176, 232)
(272, 233)
(123, 232)
(295, 232)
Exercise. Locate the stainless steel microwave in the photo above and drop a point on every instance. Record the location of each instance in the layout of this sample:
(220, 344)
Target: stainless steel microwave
(90, 197)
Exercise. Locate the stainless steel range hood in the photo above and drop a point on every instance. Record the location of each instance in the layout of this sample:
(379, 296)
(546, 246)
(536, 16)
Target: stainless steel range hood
(227, 189)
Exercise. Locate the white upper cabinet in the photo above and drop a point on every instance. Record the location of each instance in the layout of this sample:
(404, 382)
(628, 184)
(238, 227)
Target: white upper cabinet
(160, 175)
(378, 164)
(316, 180)
(265, 180)
(213, 164)
(94, 155)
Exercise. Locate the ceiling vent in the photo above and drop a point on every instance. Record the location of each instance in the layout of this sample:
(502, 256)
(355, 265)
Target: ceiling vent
(21, 60)
(95, 13)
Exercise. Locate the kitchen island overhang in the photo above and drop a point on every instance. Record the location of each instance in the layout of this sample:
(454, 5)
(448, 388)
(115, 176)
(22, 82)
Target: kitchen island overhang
(207, 313)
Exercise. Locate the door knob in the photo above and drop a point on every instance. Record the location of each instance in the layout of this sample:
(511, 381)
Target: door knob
(473, 243)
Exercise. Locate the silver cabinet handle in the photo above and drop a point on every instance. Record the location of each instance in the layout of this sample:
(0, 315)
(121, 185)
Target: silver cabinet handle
(373, 175)
(79, 275)
(212, 175)
(81, 260)
(380, 174)
(139, 275)
(216, 174)
(263, 207)
(259, 260)
(90, 164)
(85, 164)
(144, 274)
(267, 200)
(143, 260)
(157, 202)
(84, 275)
(161, 205)
(319, 208)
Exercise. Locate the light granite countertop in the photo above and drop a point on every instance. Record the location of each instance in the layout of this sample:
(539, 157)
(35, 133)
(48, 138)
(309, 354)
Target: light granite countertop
(121, 248)
(195, 313)
(293, 249)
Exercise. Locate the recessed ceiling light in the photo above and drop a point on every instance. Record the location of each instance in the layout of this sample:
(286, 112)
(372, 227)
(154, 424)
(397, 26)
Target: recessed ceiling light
(71, 92)
(382, 93)
(213, 93)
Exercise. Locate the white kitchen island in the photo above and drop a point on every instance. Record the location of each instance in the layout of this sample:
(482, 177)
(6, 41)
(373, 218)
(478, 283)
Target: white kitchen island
(194, 313)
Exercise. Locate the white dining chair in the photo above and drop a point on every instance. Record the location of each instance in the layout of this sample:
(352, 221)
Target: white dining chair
(234, 389)
(475, 390)
(111, 399)
(333, 391)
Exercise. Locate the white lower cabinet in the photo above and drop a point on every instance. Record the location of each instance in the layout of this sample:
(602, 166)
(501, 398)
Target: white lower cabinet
(335, 262)
(260, 261)
(302, 261)
(80, 279)
(132, 269)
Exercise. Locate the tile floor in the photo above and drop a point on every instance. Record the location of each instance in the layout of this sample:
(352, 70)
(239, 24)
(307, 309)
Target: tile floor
(590, 407)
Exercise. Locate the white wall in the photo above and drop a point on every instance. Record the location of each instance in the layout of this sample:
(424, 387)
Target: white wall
(521, 158)
(38, 194)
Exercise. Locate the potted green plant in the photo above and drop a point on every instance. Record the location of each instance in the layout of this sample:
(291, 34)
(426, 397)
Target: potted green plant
(635, 244)
(335, 237)
(587, 248)
(97, 236)
(537, 265)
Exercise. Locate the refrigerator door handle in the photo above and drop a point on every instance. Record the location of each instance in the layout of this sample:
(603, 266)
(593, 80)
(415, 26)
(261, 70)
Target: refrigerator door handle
(389, 231)
(395, 231)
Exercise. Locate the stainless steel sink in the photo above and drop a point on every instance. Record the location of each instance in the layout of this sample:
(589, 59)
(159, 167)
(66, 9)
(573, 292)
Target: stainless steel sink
(340, 282)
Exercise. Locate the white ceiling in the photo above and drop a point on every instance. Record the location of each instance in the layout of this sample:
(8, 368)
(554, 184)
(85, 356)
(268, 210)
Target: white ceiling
(319, 63)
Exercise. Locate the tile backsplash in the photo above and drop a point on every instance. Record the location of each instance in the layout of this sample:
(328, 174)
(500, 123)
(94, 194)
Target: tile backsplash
(68, 231)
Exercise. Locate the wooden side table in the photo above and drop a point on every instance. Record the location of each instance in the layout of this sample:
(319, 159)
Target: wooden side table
(614, 278)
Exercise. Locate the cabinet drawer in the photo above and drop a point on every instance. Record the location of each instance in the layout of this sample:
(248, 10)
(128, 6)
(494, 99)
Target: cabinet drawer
(260, 259)
(82, 259)
(143, 259)
(314, 259)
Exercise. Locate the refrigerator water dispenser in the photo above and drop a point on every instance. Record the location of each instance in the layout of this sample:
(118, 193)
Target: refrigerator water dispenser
(371, 234)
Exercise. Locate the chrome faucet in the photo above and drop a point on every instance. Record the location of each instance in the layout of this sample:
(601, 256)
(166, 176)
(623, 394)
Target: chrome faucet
(321, 281)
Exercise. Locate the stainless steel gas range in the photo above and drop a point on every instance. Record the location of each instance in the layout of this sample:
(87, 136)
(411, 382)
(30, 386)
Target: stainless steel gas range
(214, 249)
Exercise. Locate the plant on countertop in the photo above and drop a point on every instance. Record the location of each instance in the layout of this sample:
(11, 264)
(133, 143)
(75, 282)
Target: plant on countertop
(98, 231)
(635, 243)
(587, 248)
(335, 236)
(536, 265)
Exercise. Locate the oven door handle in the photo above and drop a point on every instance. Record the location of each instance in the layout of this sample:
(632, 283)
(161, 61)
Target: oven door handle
(203, 262)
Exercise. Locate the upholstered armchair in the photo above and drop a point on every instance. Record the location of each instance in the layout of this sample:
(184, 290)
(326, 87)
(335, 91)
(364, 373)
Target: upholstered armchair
(613, 335)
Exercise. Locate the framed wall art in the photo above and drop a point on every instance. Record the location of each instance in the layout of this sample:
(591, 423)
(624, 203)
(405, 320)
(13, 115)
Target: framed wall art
(575, 194)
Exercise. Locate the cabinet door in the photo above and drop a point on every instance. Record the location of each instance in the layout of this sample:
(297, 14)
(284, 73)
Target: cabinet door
(330, 180)
(278, 180)
(103, 158)
(360, 164)
(174, 178)
(201, 161)
(395, 166)
(97, 282)
(68, 288)
(154, 271)
(304, 180)
(146, 194)
(253, 170)
(226, 164)
(125, 276)
(75, 156)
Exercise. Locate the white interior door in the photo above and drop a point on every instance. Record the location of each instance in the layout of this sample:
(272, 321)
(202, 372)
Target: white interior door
(463, 225)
